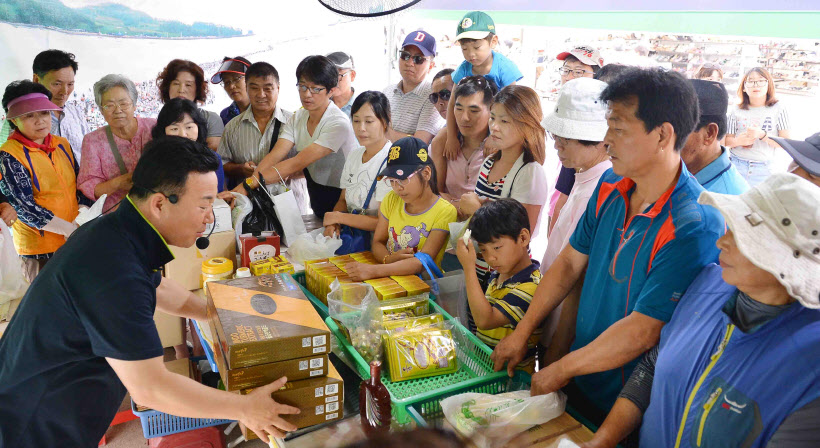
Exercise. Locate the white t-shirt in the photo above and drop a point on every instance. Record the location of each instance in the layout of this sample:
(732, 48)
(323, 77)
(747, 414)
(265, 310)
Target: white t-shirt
(358, 177)
(333, 132)
(771, 119)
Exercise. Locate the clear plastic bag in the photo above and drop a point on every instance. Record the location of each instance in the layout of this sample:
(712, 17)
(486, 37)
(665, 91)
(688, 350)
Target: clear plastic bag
(420, 352)
(349, 305)
(313, 246)
(493, 420)
(12, 282)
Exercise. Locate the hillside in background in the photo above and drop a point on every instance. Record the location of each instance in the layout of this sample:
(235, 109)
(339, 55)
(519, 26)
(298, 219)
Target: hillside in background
(107, 18)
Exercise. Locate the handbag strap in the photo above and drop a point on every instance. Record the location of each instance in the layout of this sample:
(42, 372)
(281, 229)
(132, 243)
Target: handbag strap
(512, 184)
(373, 187)
(432, 269)
(115, 150)
(275, 137)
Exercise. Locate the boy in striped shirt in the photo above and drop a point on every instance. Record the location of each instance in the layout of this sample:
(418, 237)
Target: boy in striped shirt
(502, 230)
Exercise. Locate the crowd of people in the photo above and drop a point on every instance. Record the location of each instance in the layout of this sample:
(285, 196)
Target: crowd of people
(680, 269)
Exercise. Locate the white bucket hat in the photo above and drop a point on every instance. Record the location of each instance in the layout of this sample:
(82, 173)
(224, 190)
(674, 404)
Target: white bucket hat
(579, 112)
(776, 226)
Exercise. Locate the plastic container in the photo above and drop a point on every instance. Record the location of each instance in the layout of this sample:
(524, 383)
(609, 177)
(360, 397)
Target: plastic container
(199, 438)
(214, 269)
(475, 373)
(207, 347)
(156, 424)
(242, 273)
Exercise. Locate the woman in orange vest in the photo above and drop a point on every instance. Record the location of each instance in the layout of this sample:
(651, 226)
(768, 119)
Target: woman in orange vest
(38, 175)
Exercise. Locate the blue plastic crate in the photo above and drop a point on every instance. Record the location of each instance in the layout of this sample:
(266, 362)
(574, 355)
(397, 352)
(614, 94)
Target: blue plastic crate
(156, 424)
(206, 346)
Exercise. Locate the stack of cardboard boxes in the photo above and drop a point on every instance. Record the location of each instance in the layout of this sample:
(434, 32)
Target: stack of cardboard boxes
(265, 328)
(319, 274)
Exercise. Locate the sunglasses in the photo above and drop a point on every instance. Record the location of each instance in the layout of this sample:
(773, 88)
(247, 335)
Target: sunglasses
(443, 94)
(417, 60)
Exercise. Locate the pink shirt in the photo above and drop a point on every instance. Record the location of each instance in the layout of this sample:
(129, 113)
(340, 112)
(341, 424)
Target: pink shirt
(98, 165)
(583, 189)
(462, 173)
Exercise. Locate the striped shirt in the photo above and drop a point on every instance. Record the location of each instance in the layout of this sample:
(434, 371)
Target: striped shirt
(512, 298)
(242, 141)
(771, 119)
(413, 111)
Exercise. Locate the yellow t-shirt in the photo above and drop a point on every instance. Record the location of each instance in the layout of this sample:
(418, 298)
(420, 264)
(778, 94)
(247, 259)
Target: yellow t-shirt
(411, 230)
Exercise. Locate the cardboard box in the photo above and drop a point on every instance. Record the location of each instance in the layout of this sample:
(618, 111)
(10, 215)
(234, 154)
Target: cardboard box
(259, 320)
(170, 328)
(186, 267)
(259, 247)
(222, 218)
(320, 400)
(255, 376)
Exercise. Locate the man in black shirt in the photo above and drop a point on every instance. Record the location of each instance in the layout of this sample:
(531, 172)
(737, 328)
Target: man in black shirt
(84, 332)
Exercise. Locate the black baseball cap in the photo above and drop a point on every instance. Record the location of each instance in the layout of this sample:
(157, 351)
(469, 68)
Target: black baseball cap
(407, 155)
(238, 65)
(712, 97)
(805, 153)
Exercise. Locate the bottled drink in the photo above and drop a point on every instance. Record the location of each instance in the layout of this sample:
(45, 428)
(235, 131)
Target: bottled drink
(374, 402)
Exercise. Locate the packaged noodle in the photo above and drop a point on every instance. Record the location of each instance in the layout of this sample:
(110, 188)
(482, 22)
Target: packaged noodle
(420, 353)
(413, 322)
(403, 308)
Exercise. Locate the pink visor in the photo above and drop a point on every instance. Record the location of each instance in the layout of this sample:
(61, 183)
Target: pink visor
(32, 102)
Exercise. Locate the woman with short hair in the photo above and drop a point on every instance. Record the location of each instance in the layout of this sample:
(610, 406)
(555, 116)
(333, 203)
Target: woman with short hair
(110, 153)
(185, 79)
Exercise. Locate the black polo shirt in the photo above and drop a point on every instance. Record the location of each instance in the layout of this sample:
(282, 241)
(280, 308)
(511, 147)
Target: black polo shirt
(95, 299)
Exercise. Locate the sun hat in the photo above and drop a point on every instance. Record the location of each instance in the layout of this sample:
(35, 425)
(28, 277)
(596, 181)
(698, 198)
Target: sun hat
(805, 153)
(30, 102)
(238, 65)
(406, 155)
(579, 112)
(776, 226)
(584, 53)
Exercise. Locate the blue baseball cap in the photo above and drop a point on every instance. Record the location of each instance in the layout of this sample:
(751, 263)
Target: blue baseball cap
(423, 40)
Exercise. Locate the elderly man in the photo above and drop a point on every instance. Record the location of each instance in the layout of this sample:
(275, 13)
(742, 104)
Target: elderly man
(55, 70)
(345, 93)
(250, 137)
(703, 155)
(411, 110)
(641, 241)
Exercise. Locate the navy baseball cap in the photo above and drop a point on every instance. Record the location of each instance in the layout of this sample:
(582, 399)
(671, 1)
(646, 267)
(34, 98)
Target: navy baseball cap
(406, 156)
(805, 153)
(423, 40)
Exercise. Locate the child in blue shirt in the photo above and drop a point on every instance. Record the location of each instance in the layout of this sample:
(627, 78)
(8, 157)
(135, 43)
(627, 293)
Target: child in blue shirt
(476, 35)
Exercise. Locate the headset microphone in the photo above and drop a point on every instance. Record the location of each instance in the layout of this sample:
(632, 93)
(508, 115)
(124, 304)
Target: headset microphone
(203, 242)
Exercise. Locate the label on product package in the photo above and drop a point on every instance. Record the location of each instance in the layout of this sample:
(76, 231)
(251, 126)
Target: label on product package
(316, 363)
(332, 399)
(320, 391)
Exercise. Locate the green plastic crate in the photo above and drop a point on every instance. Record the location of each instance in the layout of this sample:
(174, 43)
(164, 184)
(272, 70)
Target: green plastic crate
(475, 371)
(321, 308)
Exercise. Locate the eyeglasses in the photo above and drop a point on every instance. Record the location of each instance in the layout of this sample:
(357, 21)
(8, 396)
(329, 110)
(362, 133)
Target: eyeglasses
(314, 90)
(342, 75)
(232, 81)
(443, 94)
(393, 183)
(758, 83)
(122, 105)
(578, 72)
(561, 140)
(405, 56)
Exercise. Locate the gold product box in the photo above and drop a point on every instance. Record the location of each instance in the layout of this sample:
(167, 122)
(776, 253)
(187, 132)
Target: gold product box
(260, 267)
(259, 320)
(255, 376)
(320, 399)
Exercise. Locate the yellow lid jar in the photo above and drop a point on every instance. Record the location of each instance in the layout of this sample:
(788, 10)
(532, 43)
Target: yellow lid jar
(214, 269)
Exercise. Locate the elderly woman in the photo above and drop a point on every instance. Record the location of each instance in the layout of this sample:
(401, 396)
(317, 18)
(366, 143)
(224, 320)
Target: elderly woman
(737, 363)
(38, 176)
(111, 152)
(184, 79)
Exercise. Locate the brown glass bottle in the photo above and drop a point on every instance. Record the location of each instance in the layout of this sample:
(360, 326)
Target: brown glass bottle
(374, 402)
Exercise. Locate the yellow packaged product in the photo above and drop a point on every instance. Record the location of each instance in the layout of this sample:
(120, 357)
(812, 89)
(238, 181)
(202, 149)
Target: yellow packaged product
(420, 354)
(413, 322)
(412, 284)
(403, 308)
(390, 292)
(364, 257)
(260, 267)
